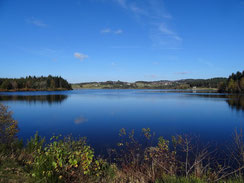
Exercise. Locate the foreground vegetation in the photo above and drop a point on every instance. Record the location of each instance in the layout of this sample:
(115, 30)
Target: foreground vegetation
(34, 84)
(65, 159)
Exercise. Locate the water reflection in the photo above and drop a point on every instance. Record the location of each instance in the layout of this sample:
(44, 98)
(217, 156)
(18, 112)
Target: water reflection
(80, 120)
(100, 114)
(235, 102)
(34, 98)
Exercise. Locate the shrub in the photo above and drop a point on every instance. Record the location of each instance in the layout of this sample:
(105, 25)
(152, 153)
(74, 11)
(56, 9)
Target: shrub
(8, 127)
(68, 160)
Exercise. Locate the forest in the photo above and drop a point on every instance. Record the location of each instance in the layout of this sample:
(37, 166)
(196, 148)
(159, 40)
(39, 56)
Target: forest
(234, 84)
(204, 83)
(33, 83)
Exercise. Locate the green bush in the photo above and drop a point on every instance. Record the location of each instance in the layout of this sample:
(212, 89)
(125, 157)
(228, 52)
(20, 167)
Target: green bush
(67, 160)
(8, 127)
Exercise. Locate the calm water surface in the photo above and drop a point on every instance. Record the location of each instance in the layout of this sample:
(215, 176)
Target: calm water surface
(99, 114)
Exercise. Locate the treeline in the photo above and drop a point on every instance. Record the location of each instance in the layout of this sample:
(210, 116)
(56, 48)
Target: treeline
(234, 84)
(34, 83)
(204, 83)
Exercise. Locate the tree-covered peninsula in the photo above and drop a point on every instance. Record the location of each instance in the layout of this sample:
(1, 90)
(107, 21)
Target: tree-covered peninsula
(33, 83)
(234, 84)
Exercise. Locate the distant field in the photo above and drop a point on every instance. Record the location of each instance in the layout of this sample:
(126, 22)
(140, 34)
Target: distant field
(136, 86)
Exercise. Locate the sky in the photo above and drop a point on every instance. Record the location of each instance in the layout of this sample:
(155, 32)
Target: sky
(126, 40)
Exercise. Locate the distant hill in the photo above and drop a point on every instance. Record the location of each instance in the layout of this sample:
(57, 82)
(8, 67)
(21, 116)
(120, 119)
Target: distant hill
(33, 83)
(212, 83)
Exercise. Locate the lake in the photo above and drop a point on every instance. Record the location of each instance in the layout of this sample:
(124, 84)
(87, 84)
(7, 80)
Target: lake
(99, 114)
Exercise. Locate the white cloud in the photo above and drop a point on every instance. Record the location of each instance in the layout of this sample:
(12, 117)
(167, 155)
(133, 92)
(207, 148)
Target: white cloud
(80, 56)
(104, 31)
(36, 22)
(119, 31)
(108, 31)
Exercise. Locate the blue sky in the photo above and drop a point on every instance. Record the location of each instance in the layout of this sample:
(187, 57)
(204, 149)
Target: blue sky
(128, 40)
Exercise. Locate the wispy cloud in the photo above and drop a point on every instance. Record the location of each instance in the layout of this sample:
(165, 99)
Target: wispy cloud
(108, 30)
(119, 31)
(139, 11)
(125, 47)
(47, 53)
(150, 76)
(182, 73)
(154, 14)
(164, 29)
(36, 22)
(167, 16)
(155, 63)
(80, 56)
(205, 62)
(121, 3)
(104, 31)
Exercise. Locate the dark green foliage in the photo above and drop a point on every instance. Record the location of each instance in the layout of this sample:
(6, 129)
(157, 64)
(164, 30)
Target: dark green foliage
(34, 83)
(234, 84)
(204, 83)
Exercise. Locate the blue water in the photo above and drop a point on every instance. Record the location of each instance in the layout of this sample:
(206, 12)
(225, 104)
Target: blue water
(99, 114)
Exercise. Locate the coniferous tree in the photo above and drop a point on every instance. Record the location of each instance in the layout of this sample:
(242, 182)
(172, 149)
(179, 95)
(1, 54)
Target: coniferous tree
(35, 83)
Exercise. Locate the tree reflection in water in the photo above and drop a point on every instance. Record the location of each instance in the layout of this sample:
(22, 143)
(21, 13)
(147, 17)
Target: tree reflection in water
(236, 102)
(50, 99)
